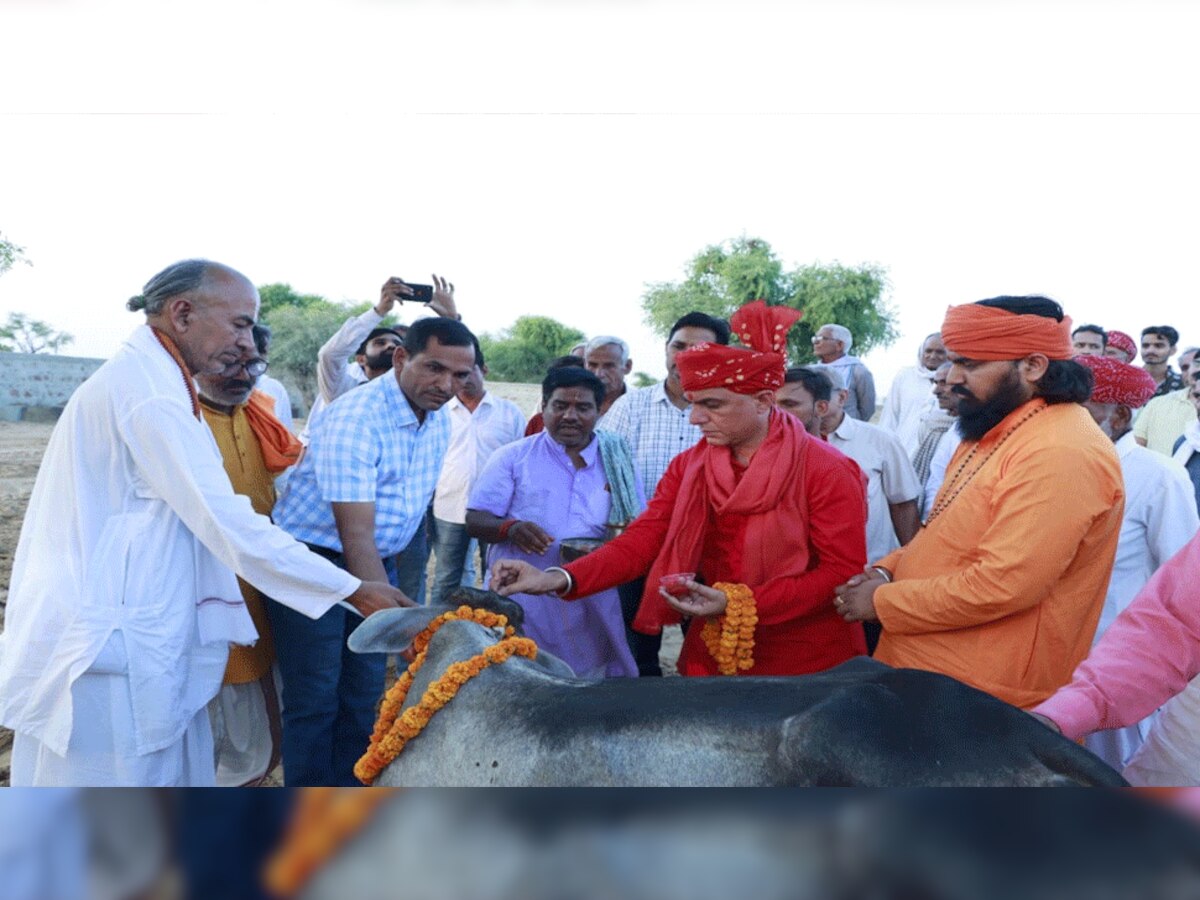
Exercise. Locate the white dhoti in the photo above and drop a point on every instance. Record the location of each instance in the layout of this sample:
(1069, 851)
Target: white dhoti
(102, 751)
(246, 725)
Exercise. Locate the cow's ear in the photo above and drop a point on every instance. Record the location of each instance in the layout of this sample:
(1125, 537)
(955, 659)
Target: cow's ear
(392, 630)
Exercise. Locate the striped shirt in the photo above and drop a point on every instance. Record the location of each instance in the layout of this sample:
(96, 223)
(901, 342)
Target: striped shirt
(367, 447)
(656, 430)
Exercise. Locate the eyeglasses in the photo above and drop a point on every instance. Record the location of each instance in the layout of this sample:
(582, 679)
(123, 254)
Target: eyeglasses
(254, 367)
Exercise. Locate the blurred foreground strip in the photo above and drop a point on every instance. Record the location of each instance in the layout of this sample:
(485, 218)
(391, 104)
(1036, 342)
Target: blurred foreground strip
(662, 844)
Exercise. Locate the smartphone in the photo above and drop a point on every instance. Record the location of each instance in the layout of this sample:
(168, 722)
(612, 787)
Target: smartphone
(422, 293)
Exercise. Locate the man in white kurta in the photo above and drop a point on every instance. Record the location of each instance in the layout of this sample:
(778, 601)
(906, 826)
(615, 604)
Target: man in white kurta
(123, 600)
(911, 395)
(1160, 517)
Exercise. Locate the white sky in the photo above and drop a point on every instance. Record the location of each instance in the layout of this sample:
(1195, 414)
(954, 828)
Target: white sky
(552, 158)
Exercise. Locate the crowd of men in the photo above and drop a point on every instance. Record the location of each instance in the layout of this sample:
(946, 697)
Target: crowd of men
(1021, 515)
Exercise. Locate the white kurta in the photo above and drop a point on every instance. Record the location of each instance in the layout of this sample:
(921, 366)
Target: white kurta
(910, 397)
(123, 587)
(1160, 517)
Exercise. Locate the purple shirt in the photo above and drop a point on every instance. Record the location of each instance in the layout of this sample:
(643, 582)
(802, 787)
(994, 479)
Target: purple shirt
(534, 480)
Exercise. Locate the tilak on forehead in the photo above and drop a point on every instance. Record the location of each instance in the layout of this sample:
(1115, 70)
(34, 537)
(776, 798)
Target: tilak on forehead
(989, 333)
(758, 366)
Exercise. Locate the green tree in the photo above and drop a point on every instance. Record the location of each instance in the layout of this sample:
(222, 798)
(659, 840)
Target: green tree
(522, 352)
(21, 334)
(722, 277)
(297, 333)
(278, 295)
(10, 255)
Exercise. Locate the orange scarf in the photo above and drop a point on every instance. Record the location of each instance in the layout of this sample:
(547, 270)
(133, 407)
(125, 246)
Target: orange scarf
(775, 545)
(172, 349)
(280, 448)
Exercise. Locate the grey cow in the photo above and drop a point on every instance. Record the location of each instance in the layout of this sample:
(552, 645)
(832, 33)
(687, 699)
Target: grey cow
(533, 723)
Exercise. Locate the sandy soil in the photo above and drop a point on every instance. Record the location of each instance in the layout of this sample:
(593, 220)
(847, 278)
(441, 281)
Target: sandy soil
(21, 448)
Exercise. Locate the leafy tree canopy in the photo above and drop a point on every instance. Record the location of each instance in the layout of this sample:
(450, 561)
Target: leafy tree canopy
(522, 352)
(722, 277)
(10, 255)
(21, 334)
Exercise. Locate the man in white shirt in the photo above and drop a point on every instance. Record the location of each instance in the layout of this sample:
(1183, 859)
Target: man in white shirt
(480, 423)
(607, 357)
(1160, 517)
(939, 440)
(123, 600)
(654, 421)
(911, 396)
(831, 345)
(892, 487)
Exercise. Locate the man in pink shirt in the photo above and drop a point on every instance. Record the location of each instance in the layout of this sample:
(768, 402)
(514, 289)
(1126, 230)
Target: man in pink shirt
(1147, 656)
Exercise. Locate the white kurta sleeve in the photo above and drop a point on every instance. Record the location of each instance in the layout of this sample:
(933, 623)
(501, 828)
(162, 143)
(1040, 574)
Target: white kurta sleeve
(331, 358)
(175, 455)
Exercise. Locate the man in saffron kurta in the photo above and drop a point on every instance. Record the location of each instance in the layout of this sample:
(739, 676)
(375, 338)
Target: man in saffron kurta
(758, 503)
(255, 446)
(1003, 587)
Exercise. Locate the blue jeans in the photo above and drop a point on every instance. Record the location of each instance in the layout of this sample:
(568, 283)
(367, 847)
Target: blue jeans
(329, 692)
(410, 565)
(450, 546)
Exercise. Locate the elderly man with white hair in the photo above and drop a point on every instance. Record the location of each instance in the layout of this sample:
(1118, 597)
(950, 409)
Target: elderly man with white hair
(831, 345)
(607, 358)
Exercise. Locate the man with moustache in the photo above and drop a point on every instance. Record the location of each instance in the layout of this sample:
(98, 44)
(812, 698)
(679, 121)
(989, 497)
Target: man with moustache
(806, 393)
(607, 357)
(939, 441)
(1004, 585)
(357, 498)
(123, 601)
(1158, 346)
(255, 447)
(766, 518)
(561, 483)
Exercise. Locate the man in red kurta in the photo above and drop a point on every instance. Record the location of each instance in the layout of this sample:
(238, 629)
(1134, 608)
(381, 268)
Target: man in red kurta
(759, 507)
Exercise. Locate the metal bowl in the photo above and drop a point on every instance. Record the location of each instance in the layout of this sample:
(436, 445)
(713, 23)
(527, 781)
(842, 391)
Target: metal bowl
(572, 549)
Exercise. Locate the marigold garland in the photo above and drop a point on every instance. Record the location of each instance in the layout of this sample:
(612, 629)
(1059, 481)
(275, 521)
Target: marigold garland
(321, 822)
(393, 729)
(730, 637)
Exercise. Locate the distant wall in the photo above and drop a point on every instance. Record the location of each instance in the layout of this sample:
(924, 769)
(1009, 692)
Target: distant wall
(36, 386)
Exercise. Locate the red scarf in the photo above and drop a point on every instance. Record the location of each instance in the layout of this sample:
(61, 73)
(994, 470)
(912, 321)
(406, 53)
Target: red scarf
(775, 545)
(280, 448)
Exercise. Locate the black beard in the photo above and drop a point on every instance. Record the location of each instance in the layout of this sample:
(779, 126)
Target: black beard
(976, 418)
(380, 362)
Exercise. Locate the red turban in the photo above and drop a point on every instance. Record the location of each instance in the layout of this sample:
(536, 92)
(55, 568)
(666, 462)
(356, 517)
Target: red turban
(744, 370)
(1123, 342)
(1118, 382)
(990, 333)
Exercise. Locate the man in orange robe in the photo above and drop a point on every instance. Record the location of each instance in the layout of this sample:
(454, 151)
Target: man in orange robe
(1003, 587)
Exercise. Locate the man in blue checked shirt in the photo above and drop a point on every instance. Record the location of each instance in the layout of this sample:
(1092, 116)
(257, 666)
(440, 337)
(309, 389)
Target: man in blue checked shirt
(357, 498)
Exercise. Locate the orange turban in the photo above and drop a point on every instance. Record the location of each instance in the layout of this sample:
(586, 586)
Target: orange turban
(744, 370)
(990, 333)
(1118, 382)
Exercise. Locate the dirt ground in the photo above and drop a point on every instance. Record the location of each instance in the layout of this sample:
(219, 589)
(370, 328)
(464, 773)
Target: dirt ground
(22, 445)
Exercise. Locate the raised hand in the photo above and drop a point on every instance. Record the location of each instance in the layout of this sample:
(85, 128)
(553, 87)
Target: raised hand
(394, 290)
(443, 298)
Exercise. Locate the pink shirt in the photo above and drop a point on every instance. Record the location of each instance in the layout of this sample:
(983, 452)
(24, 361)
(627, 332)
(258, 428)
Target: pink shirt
(1148, 655)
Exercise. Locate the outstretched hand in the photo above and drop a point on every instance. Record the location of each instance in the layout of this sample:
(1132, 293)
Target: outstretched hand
(373, 596)
(515, 576)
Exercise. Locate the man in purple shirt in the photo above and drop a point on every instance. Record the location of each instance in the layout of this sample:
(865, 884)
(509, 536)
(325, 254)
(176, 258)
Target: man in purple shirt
(536, 492)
